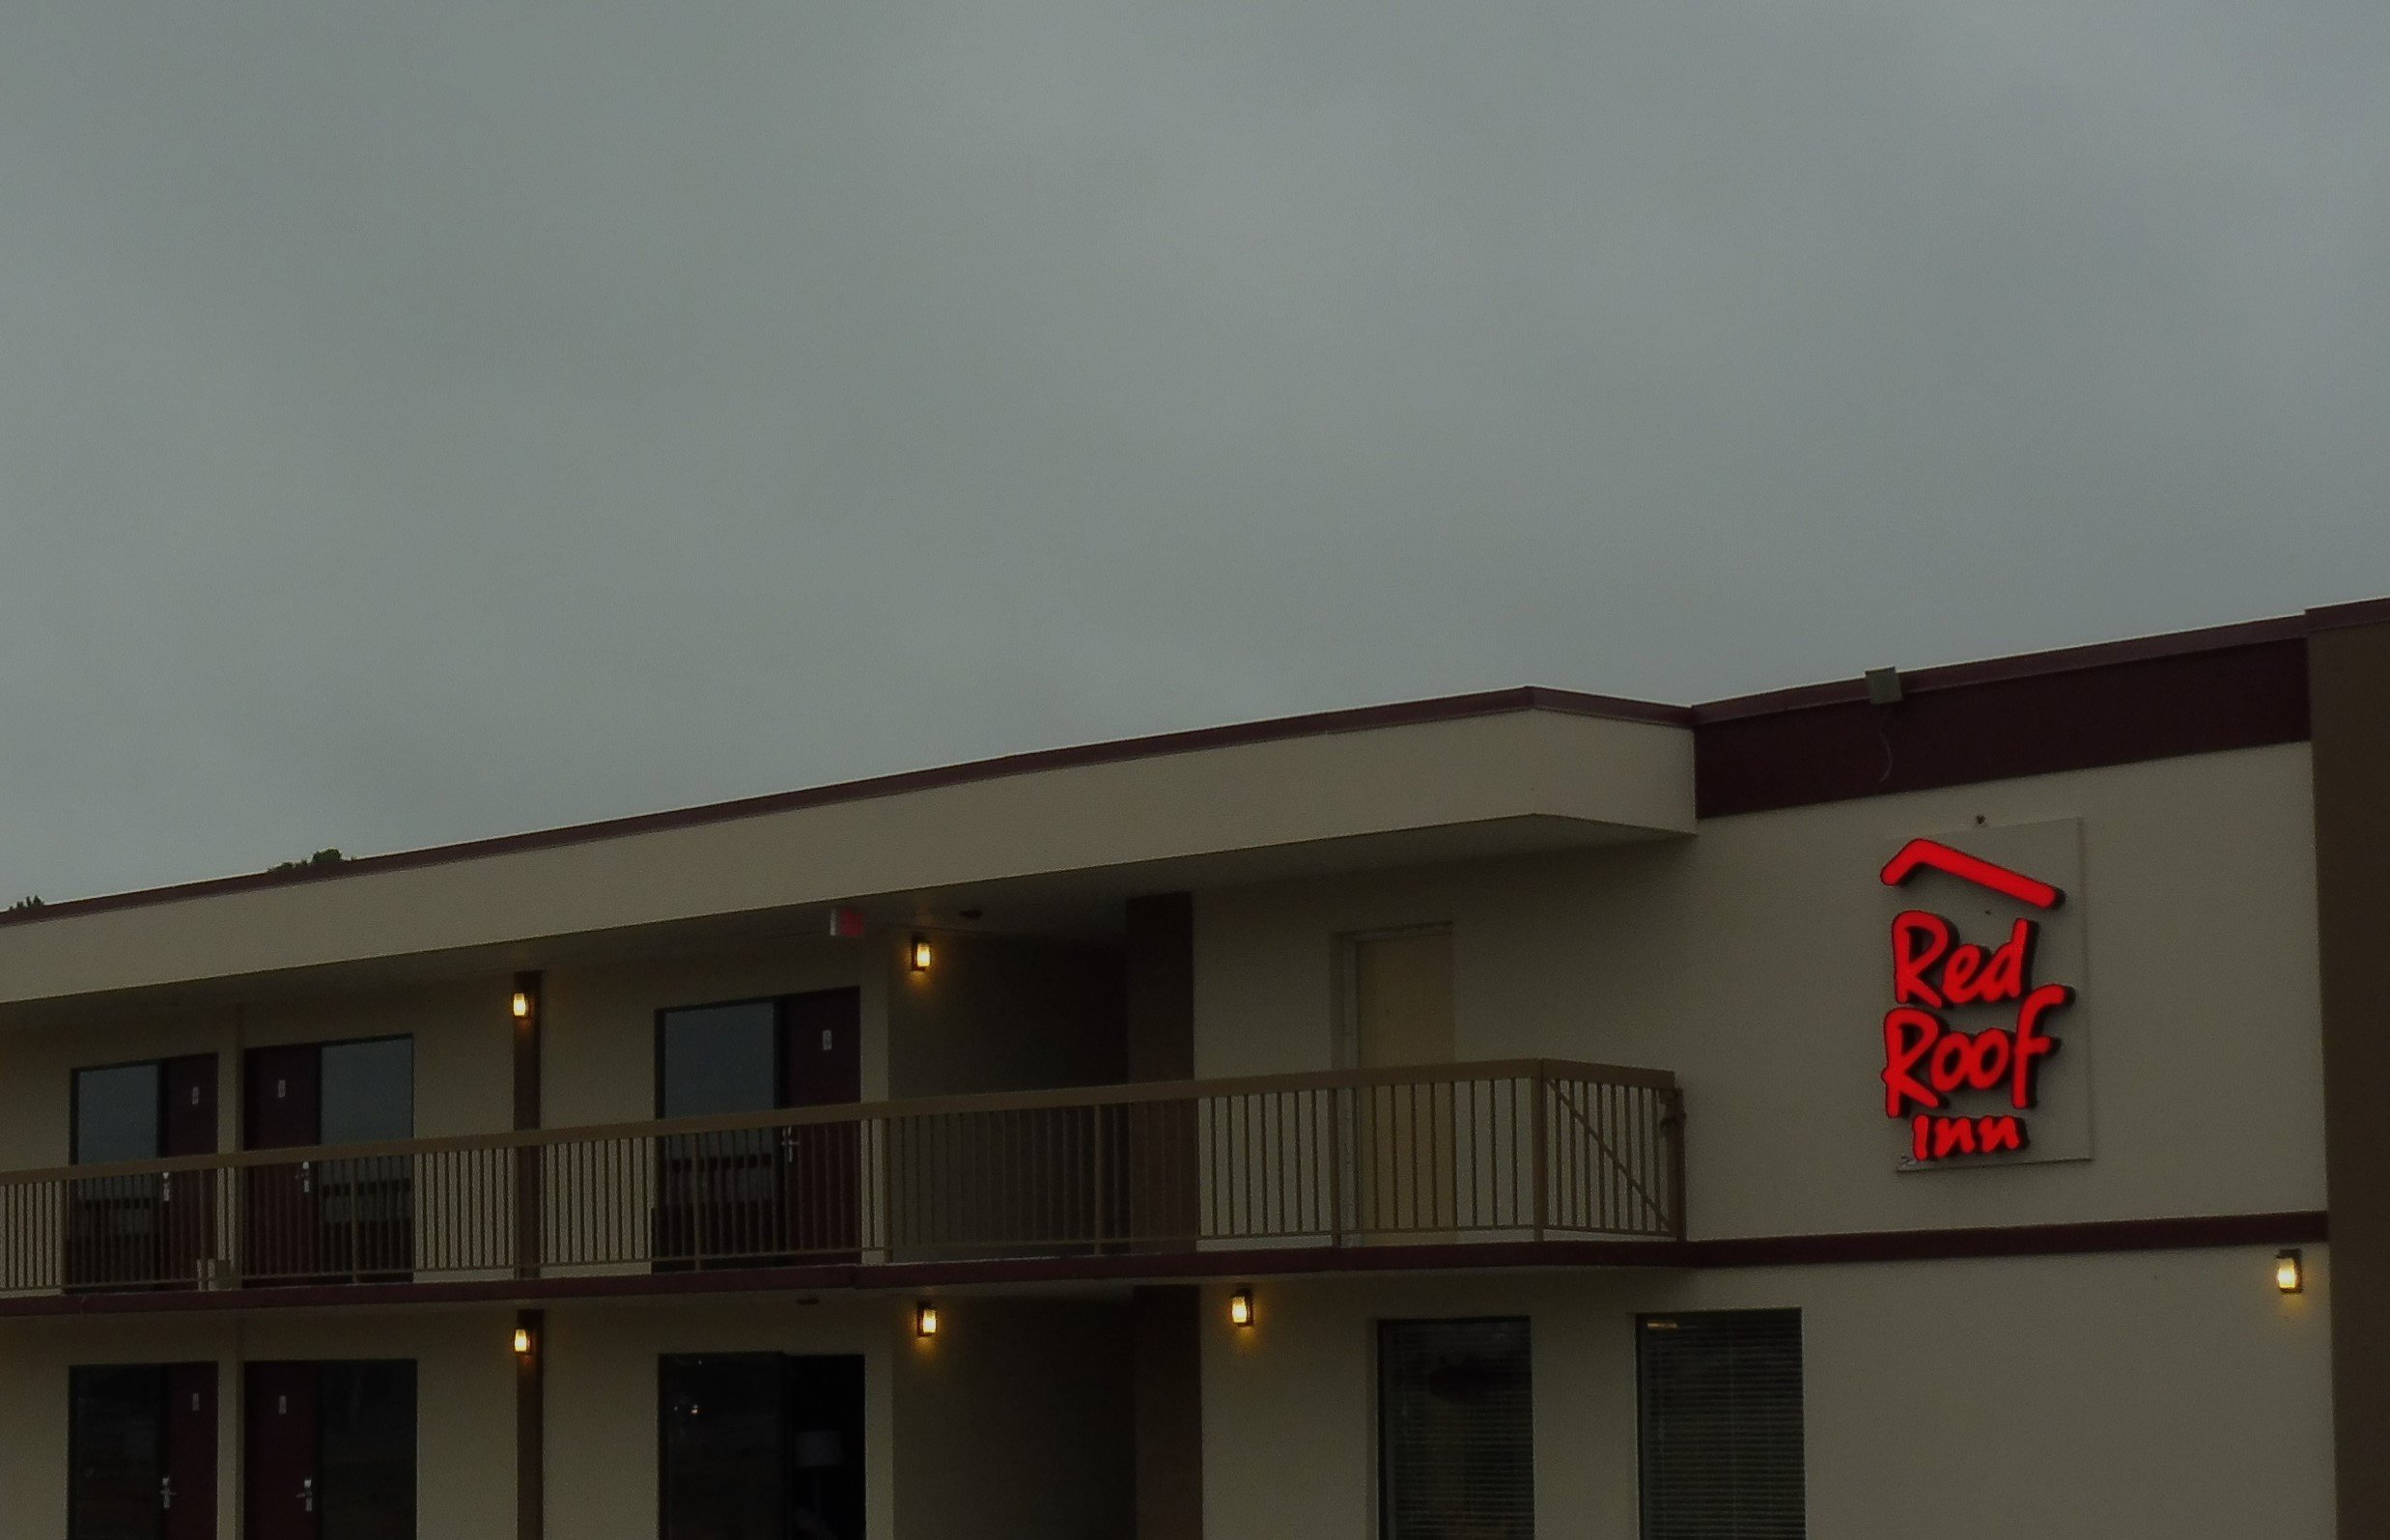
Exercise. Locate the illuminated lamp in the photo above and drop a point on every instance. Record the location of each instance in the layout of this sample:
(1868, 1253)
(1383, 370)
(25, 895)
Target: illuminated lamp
(522, 1005)
(925, 1320)
(918, 954)
(2290, 1272)
(1241, 1309)
(522, 1341)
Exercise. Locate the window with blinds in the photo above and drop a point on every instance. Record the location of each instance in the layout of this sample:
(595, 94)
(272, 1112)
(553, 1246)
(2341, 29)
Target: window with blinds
(1455, 1431)
(1720, 1395)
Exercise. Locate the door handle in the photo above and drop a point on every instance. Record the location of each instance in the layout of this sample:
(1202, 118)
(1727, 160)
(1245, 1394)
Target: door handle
(165, 1492)
(166, 1187)
(307, 1183)
(307, 1495)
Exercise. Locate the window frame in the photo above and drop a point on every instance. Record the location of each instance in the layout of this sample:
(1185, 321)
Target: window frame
(1645, 1326)
(414, 1076)
(1384, 1516)
(780, 1040)
(74, 1105)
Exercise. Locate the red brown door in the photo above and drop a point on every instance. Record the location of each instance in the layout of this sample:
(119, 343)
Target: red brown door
(331, 1450)
(822, 1065)
(186, 1199)
(282, 1107)
(281, 1452)
(189, 1499)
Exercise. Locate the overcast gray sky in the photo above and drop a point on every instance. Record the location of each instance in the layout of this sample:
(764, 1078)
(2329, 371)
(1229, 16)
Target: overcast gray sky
(422, 419)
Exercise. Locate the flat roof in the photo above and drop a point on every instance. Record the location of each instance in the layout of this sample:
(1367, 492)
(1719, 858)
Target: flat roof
(2174, 647)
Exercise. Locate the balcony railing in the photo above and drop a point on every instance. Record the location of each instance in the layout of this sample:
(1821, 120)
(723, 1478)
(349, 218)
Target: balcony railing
(1516, 1150)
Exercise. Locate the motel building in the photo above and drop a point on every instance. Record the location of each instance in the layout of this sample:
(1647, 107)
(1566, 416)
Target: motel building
(1947, 1103)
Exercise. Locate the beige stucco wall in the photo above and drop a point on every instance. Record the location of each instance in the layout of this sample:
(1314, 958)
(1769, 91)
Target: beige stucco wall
(2067, 1398)
(1006, 1013)
(1010, 1425)
(464, 1390)
(1750, 960)
(1015, 1422)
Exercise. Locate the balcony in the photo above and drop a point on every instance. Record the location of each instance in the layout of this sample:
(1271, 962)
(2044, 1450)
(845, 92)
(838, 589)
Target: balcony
(1145, 1180)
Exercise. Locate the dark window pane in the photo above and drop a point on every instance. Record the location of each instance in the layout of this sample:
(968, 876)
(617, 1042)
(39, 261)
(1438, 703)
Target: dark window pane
(116, 1431)
(720, 1058)
(116, 1115)
(369, 1091)
(1455, 1431)
(759, 1445)
(726, 1466)
(825, 1442)
(1721, 1424)
(366, 1487)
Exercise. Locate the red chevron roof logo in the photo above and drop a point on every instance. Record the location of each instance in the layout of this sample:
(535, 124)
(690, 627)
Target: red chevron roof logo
(1921, 855)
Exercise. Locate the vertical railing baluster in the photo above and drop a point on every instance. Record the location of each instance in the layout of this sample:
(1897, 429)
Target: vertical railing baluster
(1335, 1165)
(1540, 1145)
(1673, 1133)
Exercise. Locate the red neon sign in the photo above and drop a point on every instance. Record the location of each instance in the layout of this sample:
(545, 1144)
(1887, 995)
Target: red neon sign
(1920, 854)
(1926, 1062)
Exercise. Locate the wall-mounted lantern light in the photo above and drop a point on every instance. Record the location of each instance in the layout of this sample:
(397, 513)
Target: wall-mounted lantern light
(918, 952)
(522, 1341)
(925, 1320)
(1241, 1309)
(2290, 1272)
(523, 1004)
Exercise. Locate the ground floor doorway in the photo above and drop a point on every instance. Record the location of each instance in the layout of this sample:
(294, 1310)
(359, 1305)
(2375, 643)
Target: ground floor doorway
(141, 1451)
(330, 1450)
(761, 1446)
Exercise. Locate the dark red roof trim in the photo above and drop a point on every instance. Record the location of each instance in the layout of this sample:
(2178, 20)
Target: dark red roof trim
(2201, 1232)
(2337, 617)
(2244, 687)
(2298, 1227)
(2021, 667)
